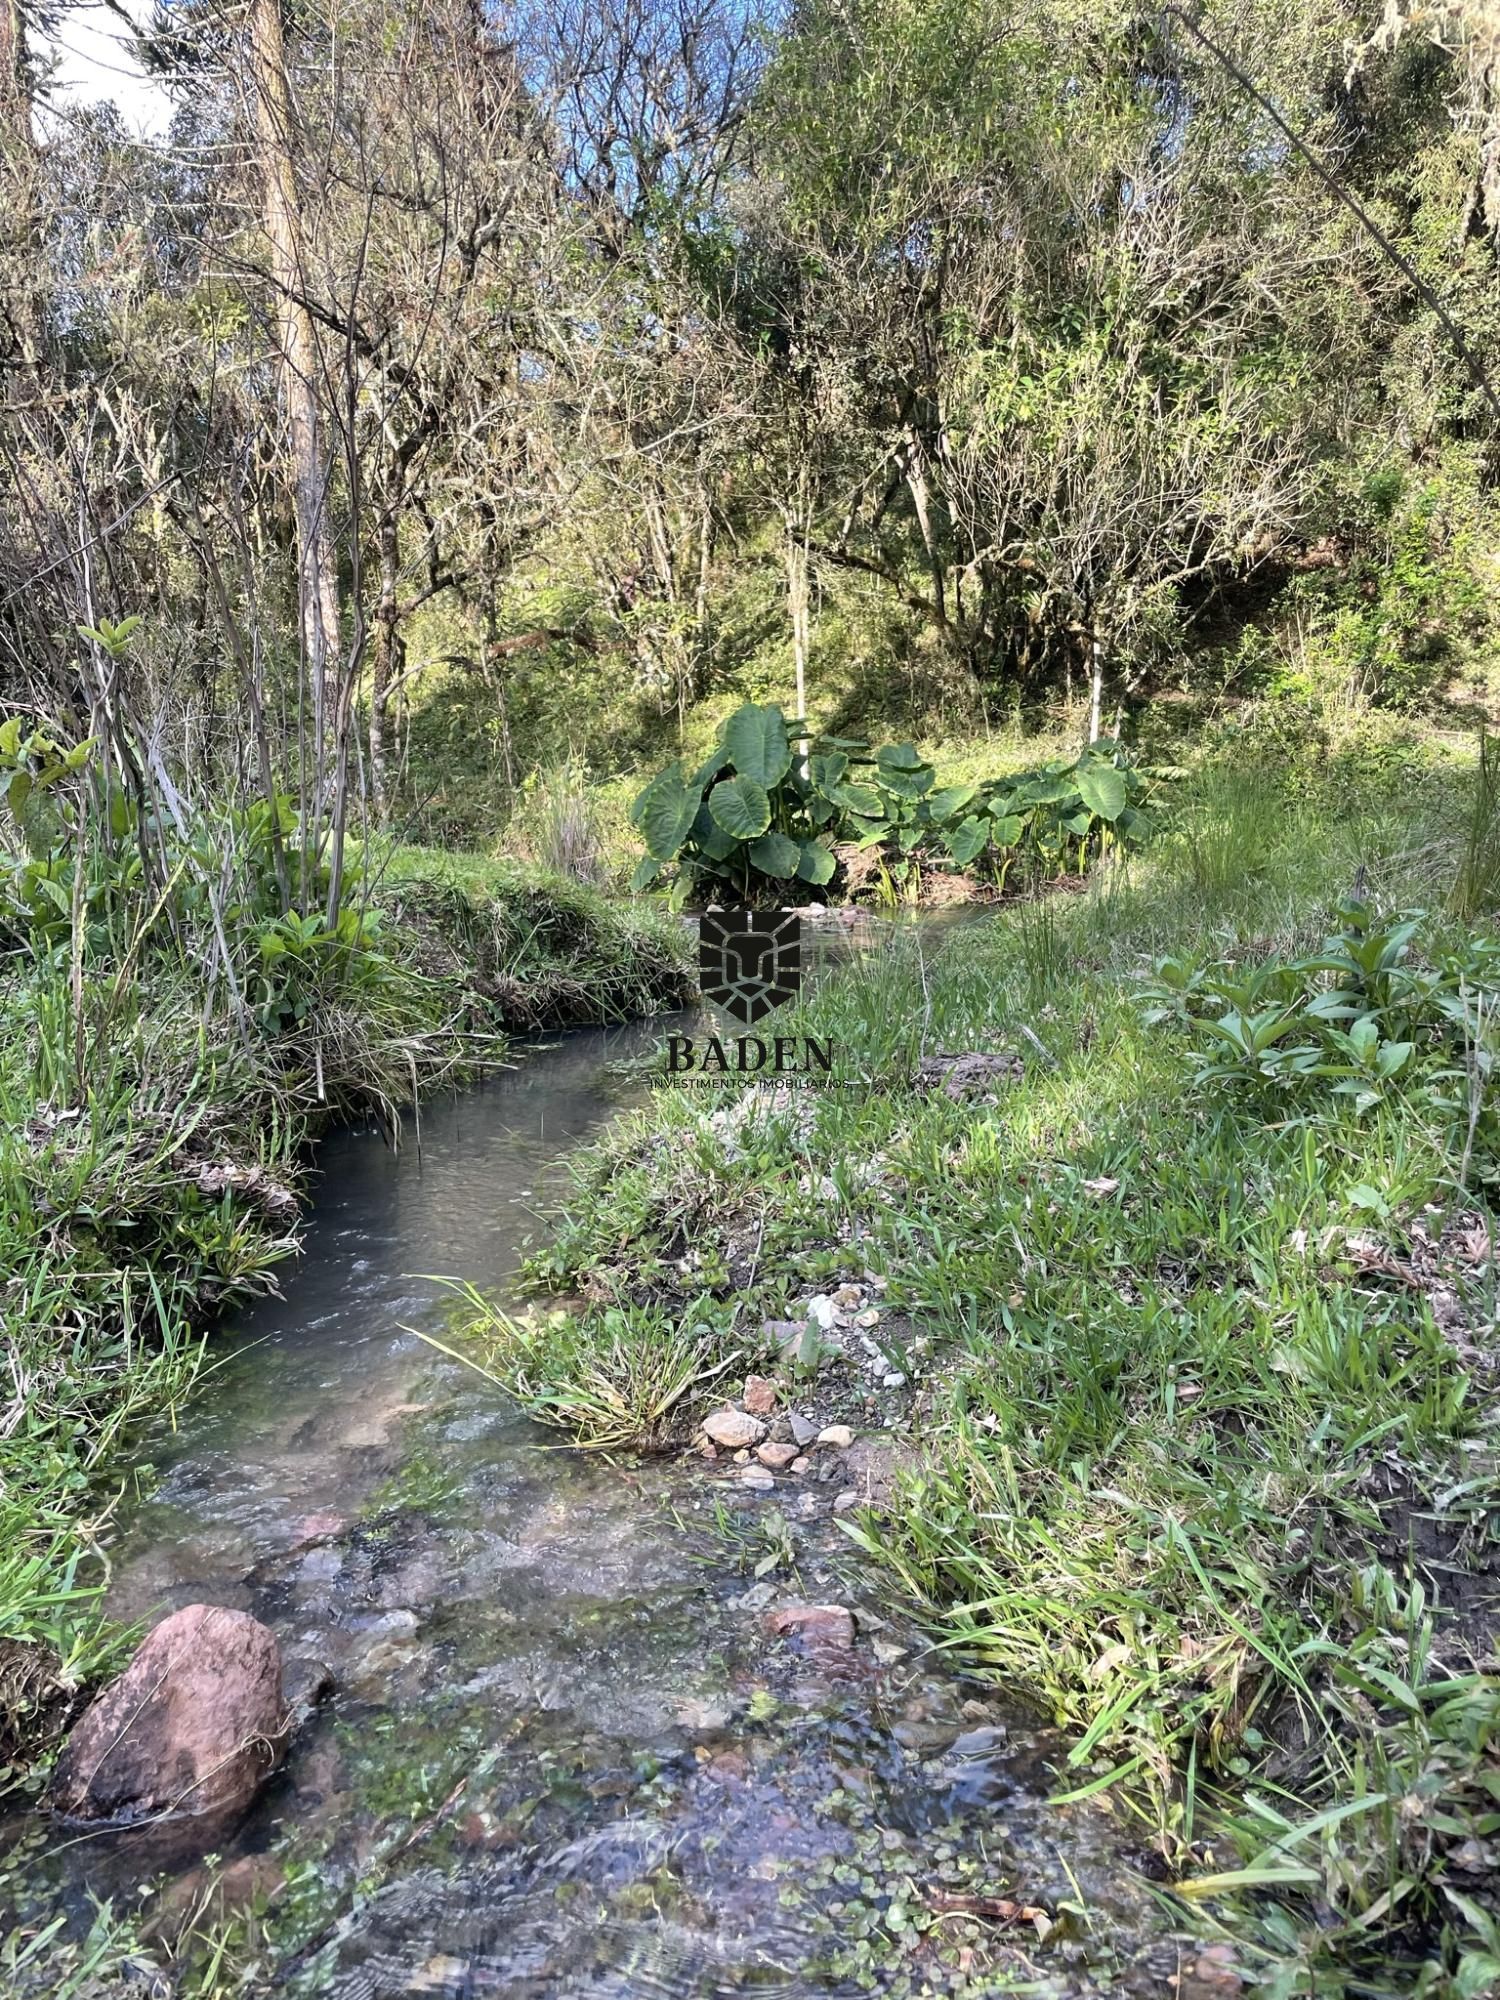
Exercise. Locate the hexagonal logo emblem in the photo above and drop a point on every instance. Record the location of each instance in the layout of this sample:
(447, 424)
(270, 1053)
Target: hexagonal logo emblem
(749, 961)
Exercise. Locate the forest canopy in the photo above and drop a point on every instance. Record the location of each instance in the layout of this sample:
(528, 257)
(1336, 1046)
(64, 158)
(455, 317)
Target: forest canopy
(456, 388)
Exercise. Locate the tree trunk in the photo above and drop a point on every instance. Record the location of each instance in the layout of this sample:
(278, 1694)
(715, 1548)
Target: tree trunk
(1096, 685)
(387, 663)
(797, 605)
(297, 350)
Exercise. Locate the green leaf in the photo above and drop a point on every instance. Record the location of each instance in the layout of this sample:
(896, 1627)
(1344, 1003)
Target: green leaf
(862, 799)
(18, 791)
(966, 841)
(1006, 832)
(774, 854)
(757, 743)
(944, 804)
(716, 761)
(816, 864)
(900, 757)
(646, 873)
(740, 806)
(1101, 787)
(664, 811)
(709, 838)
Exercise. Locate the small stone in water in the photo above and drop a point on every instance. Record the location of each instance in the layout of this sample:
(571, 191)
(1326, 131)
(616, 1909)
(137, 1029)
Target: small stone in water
(757, 1478)
(838, 1435)
(980, 1742)
(733, 1428)
(842, 1502)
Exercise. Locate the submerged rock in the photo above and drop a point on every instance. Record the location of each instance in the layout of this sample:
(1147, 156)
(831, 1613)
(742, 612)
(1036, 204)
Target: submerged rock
(823, 1627)
(193, 1725)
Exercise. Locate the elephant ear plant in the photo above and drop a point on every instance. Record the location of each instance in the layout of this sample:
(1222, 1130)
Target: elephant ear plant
(753, 816)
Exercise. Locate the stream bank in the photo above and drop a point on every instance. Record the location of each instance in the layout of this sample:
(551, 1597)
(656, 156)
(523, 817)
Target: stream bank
(153, 1157)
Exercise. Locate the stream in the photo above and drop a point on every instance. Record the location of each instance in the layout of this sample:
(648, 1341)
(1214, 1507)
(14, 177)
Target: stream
(563, 1757)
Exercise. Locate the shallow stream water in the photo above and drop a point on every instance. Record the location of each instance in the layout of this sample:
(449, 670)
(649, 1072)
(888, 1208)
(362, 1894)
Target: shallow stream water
(563, 1758)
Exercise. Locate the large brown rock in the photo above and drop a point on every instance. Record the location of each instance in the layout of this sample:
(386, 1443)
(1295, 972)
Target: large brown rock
(193, 1725)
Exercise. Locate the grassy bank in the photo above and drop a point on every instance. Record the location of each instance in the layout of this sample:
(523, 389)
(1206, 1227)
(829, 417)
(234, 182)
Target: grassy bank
(1192, 1321)
(153, 1136)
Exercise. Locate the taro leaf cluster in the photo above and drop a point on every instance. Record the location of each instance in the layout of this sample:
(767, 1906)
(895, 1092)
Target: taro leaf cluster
(750, 816)
(1043, 821)
(754, 817)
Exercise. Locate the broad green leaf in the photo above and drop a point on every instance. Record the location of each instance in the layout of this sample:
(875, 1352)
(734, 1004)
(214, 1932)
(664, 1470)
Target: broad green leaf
(717, 760)
(815, 864)
(741, 806)
(862, 799)
(944, 804)
(966, 841)
(664, 811)
(1101, 787)
(774, 854)
(1006, 832)
(827, 771)
(900, 757)
(709, 837)
(907, 784)
(646, 873)
(757, 743)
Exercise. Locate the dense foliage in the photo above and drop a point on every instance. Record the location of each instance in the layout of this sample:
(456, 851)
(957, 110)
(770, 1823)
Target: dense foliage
(760, 814)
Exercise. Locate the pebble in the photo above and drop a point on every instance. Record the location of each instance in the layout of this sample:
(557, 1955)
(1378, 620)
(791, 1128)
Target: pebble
(804, 1430)
(895, 1380)
(842, 1502)
(732, 1428)
(822, 1311)
(758, 1478)
(760, 1395)
(799, 1464)
(777, 1456)
(838, 1435)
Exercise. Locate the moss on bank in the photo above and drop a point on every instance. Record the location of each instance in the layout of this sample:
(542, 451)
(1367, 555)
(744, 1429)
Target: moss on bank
(150, 1164)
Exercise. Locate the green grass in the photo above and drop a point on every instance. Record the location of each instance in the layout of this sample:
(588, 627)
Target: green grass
(1180, 1425)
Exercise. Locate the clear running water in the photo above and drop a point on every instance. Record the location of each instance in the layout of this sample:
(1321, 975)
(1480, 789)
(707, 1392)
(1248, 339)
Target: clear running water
(564, 1758)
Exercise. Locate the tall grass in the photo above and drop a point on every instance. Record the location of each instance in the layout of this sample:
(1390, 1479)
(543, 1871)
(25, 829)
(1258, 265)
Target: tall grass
(1477, 887)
